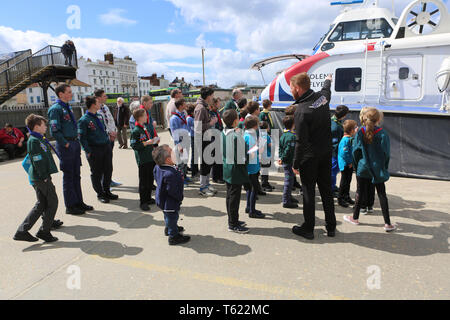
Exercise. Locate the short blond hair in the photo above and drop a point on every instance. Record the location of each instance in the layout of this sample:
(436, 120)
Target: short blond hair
(301, 80)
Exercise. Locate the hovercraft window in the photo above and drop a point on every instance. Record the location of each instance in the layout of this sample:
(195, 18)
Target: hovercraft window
(348, 80)
(362, 29)
(403, 73)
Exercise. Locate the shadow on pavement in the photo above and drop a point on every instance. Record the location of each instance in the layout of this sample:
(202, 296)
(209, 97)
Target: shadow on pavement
(201, 211)
(217, 246)
(129, 220)
(103, 249)
(86, 232)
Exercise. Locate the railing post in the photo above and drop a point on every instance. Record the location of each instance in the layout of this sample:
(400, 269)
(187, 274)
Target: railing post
(7, 80)
(29, 67)
(51, 54)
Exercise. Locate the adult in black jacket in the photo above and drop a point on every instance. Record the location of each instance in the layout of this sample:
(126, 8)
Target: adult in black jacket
(122, 118)
(313, 151)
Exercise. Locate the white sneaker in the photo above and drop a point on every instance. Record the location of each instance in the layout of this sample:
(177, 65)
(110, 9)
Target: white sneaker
(370, 210)
(349, 220)
(214, 190)
(206, 193)
(364, 211)
(390, 228)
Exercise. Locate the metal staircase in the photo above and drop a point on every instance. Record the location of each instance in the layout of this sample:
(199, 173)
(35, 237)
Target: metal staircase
(44, 67)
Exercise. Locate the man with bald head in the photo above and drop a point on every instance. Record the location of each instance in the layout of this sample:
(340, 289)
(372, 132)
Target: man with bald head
(122, 119)
(233, 103)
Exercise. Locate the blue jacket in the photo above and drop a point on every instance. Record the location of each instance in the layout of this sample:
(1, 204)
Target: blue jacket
(191, 122)
(178, 127)
(170, 190)
(372, 160)
(345, 154)
(253, 166)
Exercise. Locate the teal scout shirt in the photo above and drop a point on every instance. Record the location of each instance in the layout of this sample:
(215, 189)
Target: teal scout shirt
(42, 163)
(62, 125)
(287, 147)
(92, 132)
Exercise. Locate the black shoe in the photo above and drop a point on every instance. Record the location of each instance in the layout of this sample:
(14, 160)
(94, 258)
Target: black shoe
(75, 211)
(262, 193)
(267, 189)
(85, 207)
(25, 236)
(111, 196)
(145, 207)
(247, 210)
(331, 234)
(302, 233)
(343, 204)
(297, 185)
(256, 215)
(152, 202)
(350, 201)
(179, 239)
(47, 237)
(242, 223)
(220, 181)
(336, 194)
(153, 188)
(57, 224)
(293, 200)
(166, 230)
(103, 199)
(239, 229)
(290, 205)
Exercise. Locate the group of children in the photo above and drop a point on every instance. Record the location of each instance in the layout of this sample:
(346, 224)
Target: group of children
(365, 151)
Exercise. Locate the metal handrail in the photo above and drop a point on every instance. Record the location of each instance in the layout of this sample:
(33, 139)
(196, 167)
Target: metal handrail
(25, 68)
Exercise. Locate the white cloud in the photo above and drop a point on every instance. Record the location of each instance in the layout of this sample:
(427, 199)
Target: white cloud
(226, 67)
(116, 16)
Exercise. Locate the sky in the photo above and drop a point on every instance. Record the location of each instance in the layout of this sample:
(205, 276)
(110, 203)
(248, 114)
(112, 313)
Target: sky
(166, 36)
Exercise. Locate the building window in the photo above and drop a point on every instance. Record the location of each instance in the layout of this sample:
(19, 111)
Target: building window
(360, 30)
(31, 100)
(101, 72)
(348, 80)
(38, 99)
(93, 72)
(106, 72)
(95, 81)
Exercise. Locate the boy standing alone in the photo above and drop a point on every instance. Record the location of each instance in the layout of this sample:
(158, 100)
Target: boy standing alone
(40, 171)
(169, 193)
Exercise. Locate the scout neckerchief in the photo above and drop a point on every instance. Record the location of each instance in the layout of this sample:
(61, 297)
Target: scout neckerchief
(148, 120)
(181, 116)
(143, 128)
(335, 119)
(67, 107)
(238, 110)
(376, 130)
(219, 120)
(43, 138)
(270, 117)
(97, 121)
(291, 131)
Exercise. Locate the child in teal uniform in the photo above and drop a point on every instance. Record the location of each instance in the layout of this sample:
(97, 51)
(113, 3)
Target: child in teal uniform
(142, 145)
(40, 171)
(371, 154)
(345, 160)
(234, 169)
(253, 167)
(287, 151)
(266, 156)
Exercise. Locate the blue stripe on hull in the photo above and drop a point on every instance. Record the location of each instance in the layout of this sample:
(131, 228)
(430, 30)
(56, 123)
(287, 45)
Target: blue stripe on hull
(393, 109)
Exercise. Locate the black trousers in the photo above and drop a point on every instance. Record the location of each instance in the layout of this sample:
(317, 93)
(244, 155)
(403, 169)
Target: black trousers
(363, 186)
(46, 206)
(100, 162)
(146, 181)
(14, 150)
(368, 196)
(194, 159)
(233, 202)
(252, 192)
(317, 171)
(346, 180)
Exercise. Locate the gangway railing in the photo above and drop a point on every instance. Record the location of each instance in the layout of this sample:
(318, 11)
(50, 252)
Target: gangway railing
(31, 69)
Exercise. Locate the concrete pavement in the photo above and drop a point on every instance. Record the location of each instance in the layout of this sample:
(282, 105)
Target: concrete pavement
(118, 252)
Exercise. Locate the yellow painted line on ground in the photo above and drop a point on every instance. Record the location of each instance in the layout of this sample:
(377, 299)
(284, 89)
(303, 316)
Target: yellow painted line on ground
(220, 280)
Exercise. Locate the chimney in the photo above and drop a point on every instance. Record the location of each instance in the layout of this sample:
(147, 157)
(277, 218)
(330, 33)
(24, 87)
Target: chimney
(109, 57)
